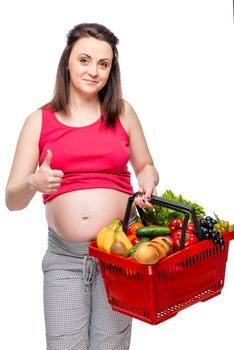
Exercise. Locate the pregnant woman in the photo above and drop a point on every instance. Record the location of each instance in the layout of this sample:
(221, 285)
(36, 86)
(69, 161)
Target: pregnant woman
(75, 150)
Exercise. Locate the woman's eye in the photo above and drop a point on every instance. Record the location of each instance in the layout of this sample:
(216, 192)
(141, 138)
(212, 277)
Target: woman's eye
(104, 64)
(83, 60)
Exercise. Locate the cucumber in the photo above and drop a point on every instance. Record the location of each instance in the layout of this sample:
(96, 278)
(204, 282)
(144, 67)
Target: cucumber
(152, 231)
(134, 248)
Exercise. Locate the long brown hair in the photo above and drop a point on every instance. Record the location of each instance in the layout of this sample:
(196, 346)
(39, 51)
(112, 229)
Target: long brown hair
(111, 94)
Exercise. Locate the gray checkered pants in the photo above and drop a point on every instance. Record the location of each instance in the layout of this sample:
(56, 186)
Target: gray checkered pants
(77, 313)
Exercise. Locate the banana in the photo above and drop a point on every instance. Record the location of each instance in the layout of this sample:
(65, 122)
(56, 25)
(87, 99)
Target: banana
(100, 237)
(109, 239)
(122, 237)
(105, 235)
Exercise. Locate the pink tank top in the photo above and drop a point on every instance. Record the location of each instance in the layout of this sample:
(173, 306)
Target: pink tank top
(92, 156)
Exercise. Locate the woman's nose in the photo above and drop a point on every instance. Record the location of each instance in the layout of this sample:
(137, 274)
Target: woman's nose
(92, 70)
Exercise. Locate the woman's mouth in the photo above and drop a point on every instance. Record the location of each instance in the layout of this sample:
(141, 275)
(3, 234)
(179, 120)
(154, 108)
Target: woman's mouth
(91, 81)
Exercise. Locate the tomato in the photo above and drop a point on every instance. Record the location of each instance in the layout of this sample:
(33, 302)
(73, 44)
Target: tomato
(190, 227)
(132, 229)
(190, 239)
(135, 240)
(175, 224)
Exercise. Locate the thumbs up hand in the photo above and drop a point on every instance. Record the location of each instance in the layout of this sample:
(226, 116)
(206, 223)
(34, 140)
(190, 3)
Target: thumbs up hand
(47, 180)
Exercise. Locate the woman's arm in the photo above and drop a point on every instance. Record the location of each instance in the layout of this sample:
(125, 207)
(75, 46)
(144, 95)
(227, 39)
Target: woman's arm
(23, 181)
(141, 159)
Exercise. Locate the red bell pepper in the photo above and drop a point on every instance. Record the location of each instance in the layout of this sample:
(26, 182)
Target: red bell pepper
(190, 239)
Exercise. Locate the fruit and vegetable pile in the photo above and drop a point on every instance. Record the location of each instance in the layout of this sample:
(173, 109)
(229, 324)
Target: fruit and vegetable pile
(160, 234)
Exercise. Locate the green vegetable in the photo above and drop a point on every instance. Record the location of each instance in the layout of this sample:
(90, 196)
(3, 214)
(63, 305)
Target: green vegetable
(152, 231)
(162, 216)
(134, 248)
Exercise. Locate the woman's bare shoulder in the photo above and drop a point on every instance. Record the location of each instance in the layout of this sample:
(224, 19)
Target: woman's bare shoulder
(128, 109)
(34, 117)
(33, 121)
(129, 117)
(32, 125)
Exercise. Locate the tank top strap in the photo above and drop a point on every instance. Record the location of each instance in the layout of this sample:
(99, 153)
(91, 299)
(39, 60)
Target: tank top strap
(49, 124)
(49, 119)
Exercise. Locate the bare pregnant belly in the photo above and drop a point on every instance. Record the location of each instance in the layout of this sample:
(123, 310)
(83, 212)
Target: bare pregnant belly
(79, 215)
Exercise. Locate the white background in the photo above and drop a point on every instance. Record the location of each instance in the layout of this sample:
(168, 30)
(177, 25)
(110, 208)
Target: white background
(177, 71)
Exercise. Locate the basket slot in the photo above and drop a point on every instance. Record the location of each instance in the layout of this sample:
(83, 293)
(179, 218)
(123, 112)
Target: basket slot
(196, 278)
(130, 309)
(120, 271)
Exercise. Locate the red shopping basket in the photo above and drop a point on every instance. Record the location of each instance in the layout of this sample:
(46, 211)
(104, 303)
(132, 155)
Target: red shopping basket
(155, 293)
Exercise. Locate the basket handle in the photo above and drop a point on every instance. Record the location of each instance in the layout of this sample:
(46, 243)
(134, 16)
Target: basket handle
(187, 210)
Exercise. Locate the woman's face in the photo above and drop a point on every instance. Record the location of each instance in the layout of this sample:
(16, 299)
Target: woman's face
(89, 65)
